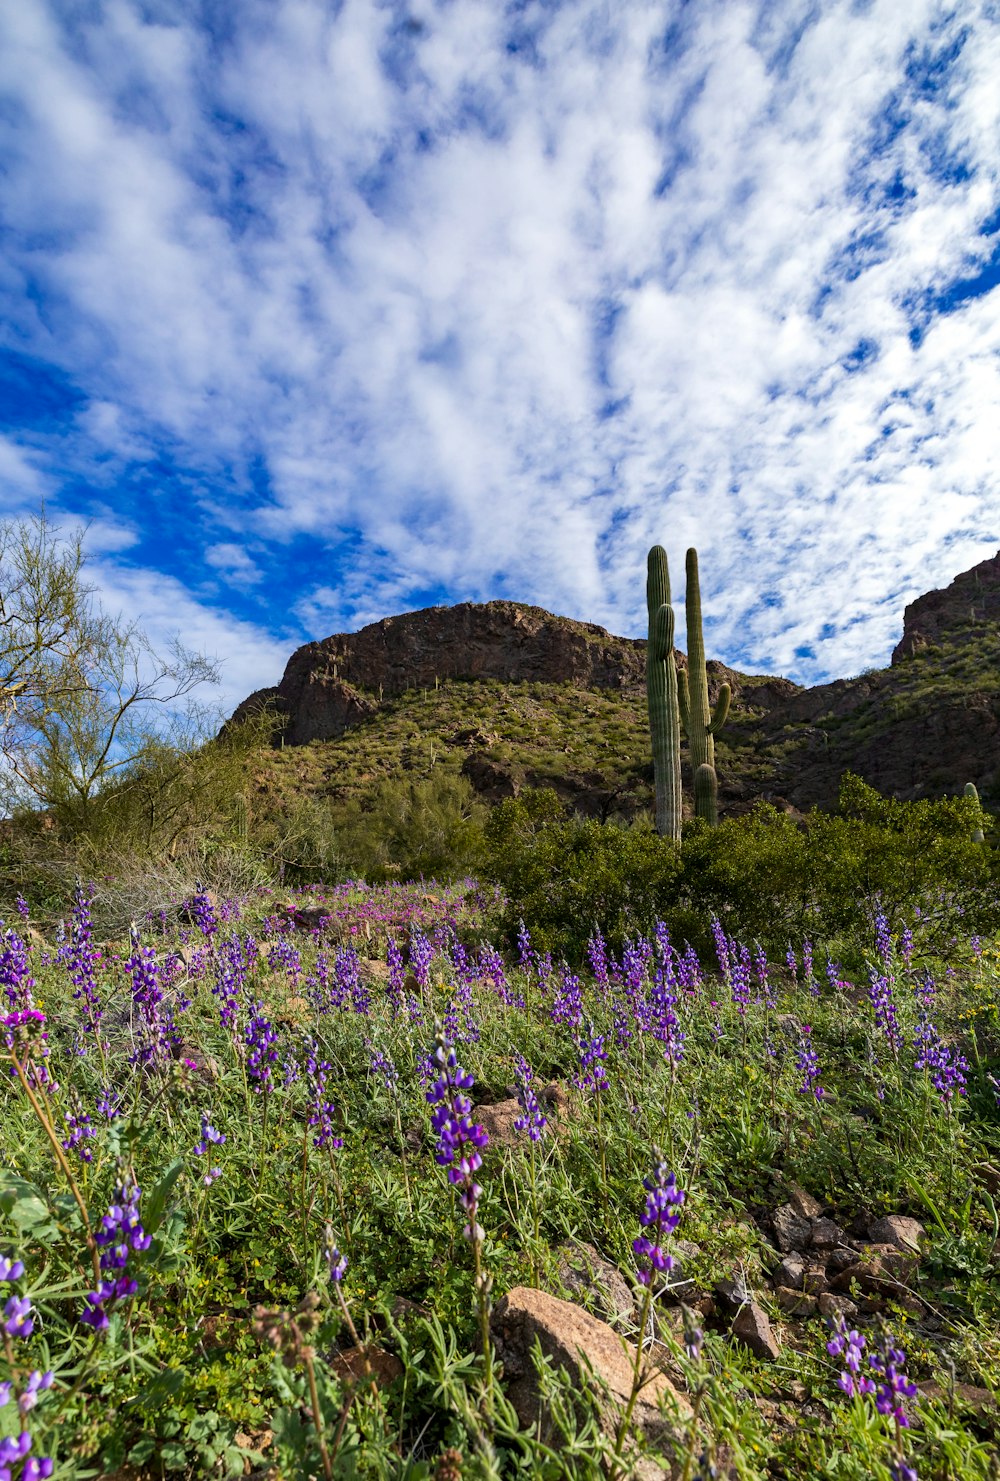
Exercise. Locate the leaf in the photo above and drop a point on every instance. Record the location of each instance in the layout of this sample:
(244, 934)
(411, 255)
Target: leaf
(27, 1210)
(173, 1455)
(163, 1387)
(154, 1206)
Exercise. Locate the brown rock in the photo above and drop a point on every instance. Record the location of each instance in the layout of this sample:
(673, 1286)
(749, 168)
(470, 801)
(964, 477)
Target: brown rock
(791, 1230)
(570, 1338)
(596, 1284)
(753, 1329)
(795, 1303)
(841, 1259)
(981, 1401)
(825, 1234)
(833, 1306)
(880, 1267)
(367, 1365)
(814, 1279)
(498, 1120)
(790, 1272)
(899, 1230)
(802, 1202)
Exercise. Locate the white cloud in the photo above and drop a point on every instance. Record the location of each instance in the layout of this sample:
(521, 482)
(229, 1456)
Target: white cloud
(493, 321)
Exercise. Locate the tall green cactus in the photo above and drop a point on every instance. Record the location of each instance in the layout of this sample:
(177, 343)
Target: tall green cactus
(661, 696)
(972, 791)
(706, 795)
(700, 722)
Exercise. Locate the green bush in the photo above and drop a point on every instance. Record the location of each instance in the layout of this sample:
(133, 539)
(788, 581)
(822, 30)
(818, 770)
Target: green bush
(566, 876)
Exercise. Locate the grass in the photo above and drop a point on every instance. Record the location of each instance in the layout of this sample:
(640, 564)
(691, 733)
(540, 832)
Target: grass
(187, 1380)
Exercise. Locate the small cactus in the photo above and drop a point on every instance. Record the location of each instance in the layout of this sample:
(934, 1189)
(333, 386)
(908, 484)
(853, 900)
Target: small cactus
(700, 722)
(970, 791)
(661, 696)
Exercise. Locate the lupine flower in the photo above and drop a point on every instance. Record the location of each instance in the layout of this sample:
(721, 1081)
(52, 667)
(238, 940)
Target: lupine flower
(209, 1136)
(567, 1005)
(336, 1262)
(10, 1270)
(593, 1055)
(892, 1386)
(597, 956)
(323, 1111)
(24, 1034)
(460, 1140)
(201, 911)
(120, 1234)
(156, 1036)
(525, 955)
(883, 1003)
(807, 1061)
(35, 1384)
(532, 1119)
(948, 1068)
(260, 1038)
(421, 957)
(79, 1130)
(849, 1344)
(15, 978)
(397, 977)
(383, 1066)
(17, 1318)
(80, 959)
(659, 1218)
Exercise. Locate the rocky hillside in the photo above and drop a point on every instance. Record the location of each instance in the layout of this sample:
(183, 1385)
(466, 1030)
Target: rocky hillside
(511, 695)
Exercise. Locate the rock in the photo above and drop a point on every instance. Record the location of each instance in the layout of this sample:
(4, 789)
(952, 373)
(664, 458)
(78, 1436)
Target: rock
(825, 1234)
(841, 1259)
(795, 1303)
(790, 1272)
(792, 1231)
(880, 1267)
(310, 917)
(802, 1202)
(733, 1293)
(814, 1279)
(899, 1230)
(753, 1329)
(597, 1284)
(981, 1401)
(367, 1365)
(555, 1097)
(498, 1120)
(568, 1335)
(834, 1306)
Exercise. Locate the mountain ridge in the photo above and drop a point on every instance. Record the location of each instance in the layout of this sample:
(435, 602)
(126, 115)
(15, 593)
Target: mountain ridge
(926, 723)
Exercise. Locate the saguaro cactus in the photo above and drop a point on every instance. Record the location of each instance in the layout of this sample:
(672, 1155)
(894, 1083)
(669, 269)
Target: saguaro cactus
(971, 791)
(661, 696)
(700, 722)
(706, 795)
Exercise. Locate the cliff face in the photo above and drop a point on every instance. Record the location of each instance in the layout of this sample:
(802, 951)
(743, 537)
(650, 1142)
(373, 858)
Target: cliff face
(953, 613)
(925, 725)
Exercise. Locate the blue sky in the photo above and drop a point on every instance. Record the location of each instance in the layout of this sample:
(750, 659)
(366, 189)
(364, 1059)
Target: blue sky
(322, 311)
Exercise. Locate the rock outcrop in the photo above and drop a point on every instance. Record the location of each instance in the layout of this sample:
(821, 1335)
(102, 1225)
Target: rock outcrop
(922, 726)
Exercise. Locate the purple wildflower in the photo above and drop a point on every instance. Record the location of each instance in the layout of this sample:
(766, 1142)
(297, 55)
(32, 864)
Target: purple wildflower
(807, 1061)
(121, 1233)
(659, 1218)
(532, 1119)
(209, 1137)
(460, 1140)
(260, 1038)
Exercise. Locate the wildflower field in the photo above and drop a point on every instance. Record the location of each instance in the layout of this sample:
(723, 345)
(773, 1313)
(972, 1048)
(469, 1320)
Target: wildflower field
(304, 1185)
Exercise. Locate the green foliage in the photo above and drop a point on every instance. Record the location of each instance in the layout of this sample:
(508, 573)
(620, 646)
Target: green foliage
(425, 828)
(567, 876)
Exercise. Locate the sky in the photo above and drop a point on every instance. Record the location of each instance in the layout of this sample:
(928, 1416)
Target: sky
(316, 312)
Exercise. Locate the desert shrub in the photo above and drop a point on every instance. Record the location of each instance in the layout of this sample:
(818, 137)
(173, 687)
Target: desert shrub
(425, 828)
(566, 876)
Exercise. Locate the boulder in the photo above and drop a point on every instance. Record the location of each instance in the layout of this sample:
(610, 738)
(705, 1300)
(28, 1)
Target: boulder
(825, 1235)
(753, 1328)
(792, 1231)
(880, 1267)
(790, 1272)
(576, 1342)
(596, 1284)
(900, 1231)
(498, 1121)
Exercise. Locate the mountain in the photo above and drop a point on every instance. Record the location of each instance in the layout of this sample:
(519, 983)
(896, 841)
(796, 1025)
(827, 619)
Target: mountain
(510, 696)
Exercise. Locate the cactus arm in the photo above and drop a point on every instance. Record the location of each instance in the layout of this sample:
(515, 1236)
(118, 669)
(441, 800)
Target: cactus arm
(721, 712)
(706, 795)
(682, 698)
(971, 791)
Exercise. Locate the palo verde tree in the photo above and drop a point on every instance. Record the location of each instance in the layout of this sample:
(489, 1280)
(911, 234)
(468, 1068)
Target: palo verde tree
(83, 694)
